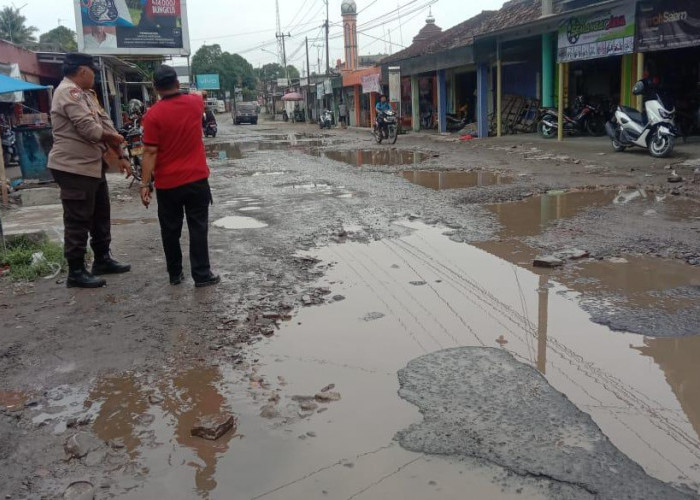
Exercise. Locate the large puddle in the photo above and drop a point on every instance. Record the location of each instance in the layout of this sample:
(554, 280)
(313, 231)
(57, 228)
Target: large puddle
(439, 180)
(375, 157)
(238, 222)
(394, 300)
(239, 149)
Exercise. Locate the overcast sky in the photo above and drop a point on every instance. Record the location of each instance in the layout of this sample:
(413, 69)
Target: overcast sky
(248, 26)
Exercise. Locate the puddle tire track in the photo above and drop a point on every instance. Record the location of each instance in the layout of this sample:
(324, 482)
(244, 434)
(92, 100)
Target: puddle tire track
(613, 385)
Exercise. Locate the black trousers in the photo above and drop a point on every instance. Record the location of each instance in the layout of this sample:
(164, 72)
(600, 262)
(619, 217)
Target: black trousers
(191, 200)
(86, 211)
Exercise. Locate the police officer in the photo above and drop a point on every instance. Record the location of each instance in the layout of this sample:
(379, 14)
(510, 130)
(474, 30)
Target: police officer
(82, 134)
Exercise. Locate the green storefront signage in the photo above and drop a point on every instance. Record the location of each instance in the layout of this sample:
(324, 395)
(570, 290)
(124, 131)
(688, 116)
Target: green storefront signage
(604, 33)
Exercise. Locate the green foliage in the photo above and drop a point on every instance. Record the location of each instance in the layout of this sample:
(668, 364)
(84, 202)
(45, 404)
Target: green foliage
(19, 259)
(13, 27)
(274, 71)
(62, 37)
(233, 69)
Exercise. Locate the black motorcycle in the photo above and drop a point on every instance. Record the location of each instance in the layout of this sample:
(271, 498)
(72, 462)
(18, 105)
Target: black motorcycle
(586, 119)
(386, 127)
(210, 129)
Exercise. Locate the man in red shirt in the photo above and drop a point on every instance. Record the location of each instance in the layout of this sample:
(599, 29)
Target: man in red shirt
(175, 155)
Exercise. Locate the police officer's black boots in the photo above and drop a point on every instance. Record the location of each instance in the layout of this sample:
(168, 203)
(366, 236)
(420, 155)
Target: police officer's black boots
(105, 264)
(79, 277)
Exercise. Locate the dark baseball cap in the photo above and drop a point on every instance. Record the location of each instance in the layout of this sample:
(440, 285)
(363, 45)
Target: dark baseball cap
(80, 59)
(164, 76)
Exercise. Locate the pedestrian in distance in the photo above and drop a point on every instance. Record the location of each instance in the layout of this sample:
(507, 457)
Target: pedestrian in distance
(343, 114)
(83, 136)
(174, 154)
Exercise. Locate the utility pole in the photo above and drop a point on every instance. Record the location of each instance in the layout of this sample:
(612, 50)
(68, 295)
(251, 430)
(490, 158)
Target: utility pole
(282, 49)
(308, 79)
(328, 49)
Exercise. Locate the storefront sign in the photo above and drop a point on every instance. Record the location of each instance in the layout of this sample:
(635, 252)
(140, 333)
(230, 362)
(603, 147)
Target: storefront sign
(207, 82)
(319, 91)
(604, 33)
(394, 84)
(370, 83)
(328, 87)
(128, 27)
(668, 25)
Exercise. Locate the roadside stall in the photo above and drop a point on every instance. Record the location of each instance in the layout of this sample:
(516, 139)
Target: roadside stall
(33, 139)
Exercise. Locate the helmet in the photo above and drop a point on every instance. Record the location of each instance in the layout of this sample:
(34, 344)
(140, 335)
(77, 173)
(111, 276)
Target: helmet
(638, 88)
(135, 107)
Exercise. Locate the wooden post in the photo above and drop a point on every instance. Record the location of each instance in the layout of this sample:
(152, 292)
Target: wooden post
(3, 176)
(560, 129)
(640, 76)
(499, 97)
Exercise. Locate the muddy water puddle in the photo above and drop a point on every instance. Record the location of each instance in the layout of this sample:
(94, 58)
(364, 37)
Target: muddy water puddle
(374, 157)
(439, 180)
(396, 300)
(237, 150)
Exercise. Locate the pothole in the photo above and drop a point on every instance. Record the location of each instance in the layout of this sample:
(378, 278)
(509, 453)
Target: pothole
(438, 180)
(238, 222)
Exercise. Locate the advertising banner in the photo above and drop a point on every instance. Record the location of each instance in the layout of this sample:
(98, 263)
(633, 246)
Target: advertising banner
(319, 91)
(394, 84)
(371, 83)
(604, 33)
(669, 25)
(132, 27)
(327, 87)
(207, 82)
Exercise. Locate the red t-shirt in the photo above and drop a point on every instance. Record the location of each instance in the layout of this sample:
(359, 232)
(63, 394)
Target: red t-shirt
(174, 125)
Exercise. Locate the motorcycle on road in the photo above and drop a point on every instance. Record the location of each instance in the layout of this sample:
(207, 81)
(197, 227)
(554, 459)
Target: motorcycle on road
(655, 131)
(586, 120)
(386, 127)
(326, 120)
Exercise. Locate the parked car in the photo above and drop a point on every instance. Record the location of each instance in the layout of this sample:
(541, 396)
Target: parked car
(245, 112)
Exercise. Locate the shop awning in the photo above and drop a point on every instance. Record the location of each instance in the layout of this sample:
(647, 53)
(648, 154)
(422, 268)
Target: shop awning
(9, 84)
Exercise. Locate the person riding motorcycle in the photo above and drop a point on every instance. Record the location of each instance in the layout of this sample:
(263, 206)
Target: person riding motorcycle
(382, 107)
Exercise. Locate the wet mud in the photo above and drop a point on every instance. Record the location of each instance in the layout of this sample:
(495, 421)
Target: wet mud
(461, 392)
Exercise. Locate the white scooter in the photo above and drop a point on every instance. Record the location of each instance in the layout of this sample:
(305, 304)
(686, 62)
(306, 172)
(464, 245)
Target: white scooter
(655, 131)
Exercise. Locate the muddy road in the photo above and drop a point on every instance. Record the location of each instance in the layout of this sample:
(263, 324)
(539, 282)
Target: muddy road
(380, 331)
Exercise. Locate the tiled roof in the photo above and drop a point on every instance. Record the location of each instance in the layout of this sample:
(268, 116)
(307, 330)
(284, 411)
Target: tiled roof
(513, 13)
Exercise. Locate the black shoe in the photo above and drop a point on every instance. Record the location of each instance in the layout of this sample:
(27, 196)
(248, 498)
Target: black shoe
(81, 278)
(176, 280)
(107, 265)
(213, 279)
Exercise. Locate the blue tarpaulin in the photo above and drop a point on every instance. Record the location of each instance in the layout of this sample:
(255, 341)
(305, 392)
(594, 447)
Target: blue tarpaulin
(9, 84)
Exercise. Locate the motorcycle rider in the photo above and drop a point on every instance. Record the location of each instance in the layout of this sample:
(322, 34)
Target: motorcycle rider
(382, 107)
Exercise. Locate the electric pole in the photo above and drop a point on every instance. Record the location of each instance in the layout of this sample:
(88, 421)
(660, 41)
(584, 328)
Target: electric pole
(308, 80)
(328, 49)
(281, 45)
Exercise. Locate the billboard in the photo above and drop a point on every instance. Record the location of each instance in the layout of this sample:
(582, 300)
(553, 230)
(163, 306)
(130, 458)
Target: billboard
(604, 33)
(394, 84)
(132, 27)
(670, 25)
(207, 82)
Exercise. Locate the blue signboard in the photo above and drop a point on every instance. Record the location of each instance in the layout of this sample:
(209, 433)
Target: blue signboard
(207, 82)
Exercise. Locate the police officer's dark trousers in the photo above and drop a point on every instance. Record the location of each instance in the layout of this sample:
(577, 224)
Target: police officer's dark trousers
(86, 211)
(192, 201)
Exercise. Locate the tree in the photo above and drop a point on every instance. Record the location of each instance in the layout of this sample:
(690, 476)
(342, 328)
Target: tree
(293, 73)
(61, 37)
(13, 27)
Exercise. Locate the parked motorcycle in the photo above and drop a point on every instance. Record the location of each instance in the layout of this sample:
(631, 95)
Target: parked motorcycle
(386, 127)
(210, 129)
(587, 119)
(9, 146)
(133, 135)
(326, 120)
(656, 131)
(455, 124)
